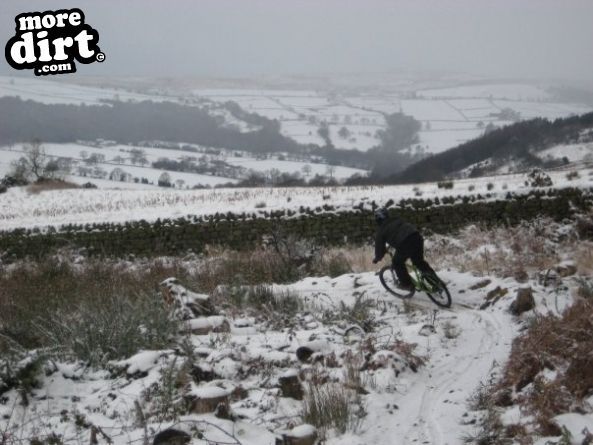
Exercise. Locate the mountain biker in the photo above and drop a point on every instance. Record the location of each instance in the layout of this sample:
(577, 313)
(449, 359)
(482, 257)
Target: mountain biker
(407, 242)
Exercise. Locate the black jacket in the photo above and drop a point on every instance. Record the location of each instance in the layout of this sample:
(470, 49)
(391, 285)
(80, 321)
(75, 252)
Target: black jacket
(392, 231)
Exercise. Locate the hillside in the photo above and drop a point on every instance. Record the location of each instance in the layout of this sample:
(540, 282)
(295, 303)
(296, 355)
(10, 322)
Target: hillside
(367, 128)
(518, 143)
(291, 344)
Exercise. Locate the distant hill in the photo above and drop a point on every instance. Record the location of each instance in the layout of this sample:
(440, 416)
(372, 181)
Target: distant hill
(518, 143)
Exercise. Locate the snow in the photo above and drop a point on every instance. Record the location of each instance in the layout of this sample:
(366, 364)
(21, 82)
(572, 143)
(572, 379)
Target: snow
(56, 92)
(431, 110)
(577, 424)
(208, 392)
(425, 405)
(266, 165)
(574, 152)
(301, 431)
(499, 91)
(18, 209)
(212, 322)
(141, 362)
(446, 109)
(9, 154)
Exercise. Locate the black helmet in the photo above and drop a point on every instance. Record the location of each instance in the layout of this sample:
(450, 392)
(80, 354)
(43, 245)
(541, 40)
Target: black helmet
(381, 215)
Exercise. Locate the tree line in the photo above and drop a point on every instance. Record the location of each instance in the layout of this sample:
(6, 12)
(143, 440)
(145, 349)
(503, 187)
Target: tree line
(519, 142)
(136, 122)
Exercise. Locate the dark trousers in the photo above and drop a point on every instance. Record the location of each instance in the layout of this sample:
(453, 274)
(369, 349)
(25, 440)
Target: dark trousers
(412, 247)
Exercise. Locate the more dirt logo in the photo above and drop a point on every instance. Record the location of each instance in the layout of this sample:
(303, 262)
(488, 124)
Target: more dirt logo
(50, 42)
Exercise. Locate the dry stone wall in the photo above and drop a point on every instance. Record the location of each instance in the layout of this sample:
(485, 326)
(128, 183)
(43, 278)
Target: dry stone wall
(324, 225)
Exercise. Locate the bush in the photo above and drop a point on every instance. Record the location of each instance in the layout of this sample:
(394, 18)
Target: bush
(264, 299)
(572, 175)
(445, 184)
(51, 184)
(538, 178)
(335, 265)
(331, 405)
(110, 327)
(19, 369)
(563, 344)
(585, 288)
(42, 302)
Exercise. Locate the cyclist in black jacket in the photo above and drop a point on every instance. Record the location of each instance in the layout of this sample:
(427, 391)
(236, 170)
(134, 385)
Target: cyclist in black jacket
(407, 242)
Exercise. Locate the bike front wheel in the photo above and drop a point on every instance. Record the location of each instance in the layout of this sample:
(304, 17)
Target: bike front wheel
(389, 281)
(438, 292)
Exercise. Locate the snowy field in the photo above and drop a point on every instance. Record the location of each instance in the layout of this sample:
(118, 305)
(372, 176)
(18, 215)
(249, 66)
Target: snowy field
(449, 116)
(19, 209)
(54, 92)
(118, 156)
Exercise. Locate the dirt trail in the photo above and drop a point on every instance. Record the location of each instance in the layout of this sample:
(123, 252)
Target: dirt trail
(432, 404)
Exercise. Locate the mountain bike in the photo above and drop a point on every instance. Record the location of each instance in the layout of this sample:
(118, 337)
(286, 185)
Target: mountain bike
(428, 283)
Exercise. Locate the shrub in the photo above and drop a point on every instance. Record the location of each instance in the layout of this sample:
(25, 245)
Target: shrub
(42, 301)
(264, 299)
(44, 185)
(445, 184)
(489, 186)
(19, 369)
(572, 175)
(538, 178)
(360, 313)
(334, 265)
(163, 400)
(331, 405)
(109, 327)
(561, 343)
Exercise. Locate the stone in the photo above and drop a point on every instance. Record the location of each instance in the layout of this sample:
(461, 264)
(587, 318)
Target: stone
(523, 302)
(206, 400)
(304, 353)
(493, 296)
(566, 269)
(300, 435)
(549, 278)
(171, 436)
(427, 330)
(290, 386)
(206, 325)
(480, 284)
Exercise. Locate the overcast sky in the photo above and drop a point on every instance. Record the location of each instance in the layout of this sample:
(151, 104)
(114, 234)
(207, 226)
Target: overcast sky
(245, 38)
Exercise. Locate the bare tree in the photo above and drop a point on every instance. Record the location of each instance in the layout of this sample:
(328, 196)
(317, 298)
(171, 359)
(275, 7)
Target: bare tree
(35, 164)
(330, 170)
(306, 170)
(138, 156)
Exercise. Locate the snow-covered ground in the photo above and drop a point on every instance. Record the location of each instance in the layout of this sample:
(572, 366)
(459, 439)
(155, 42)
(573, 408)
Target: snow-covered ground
(449, 116)
(448, 111)
(499, 91)
(119, 156)
(403, 403)
(20, 209)
(54, 92)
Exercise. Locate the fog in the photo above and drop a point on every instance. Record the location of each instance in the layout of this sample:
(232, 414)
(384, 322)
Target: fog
(543, 39)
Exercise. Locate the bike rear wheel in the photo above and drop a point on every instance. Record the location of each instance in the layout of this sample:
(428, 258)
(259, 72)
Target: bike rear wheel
(389, 281)
(438, 293)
